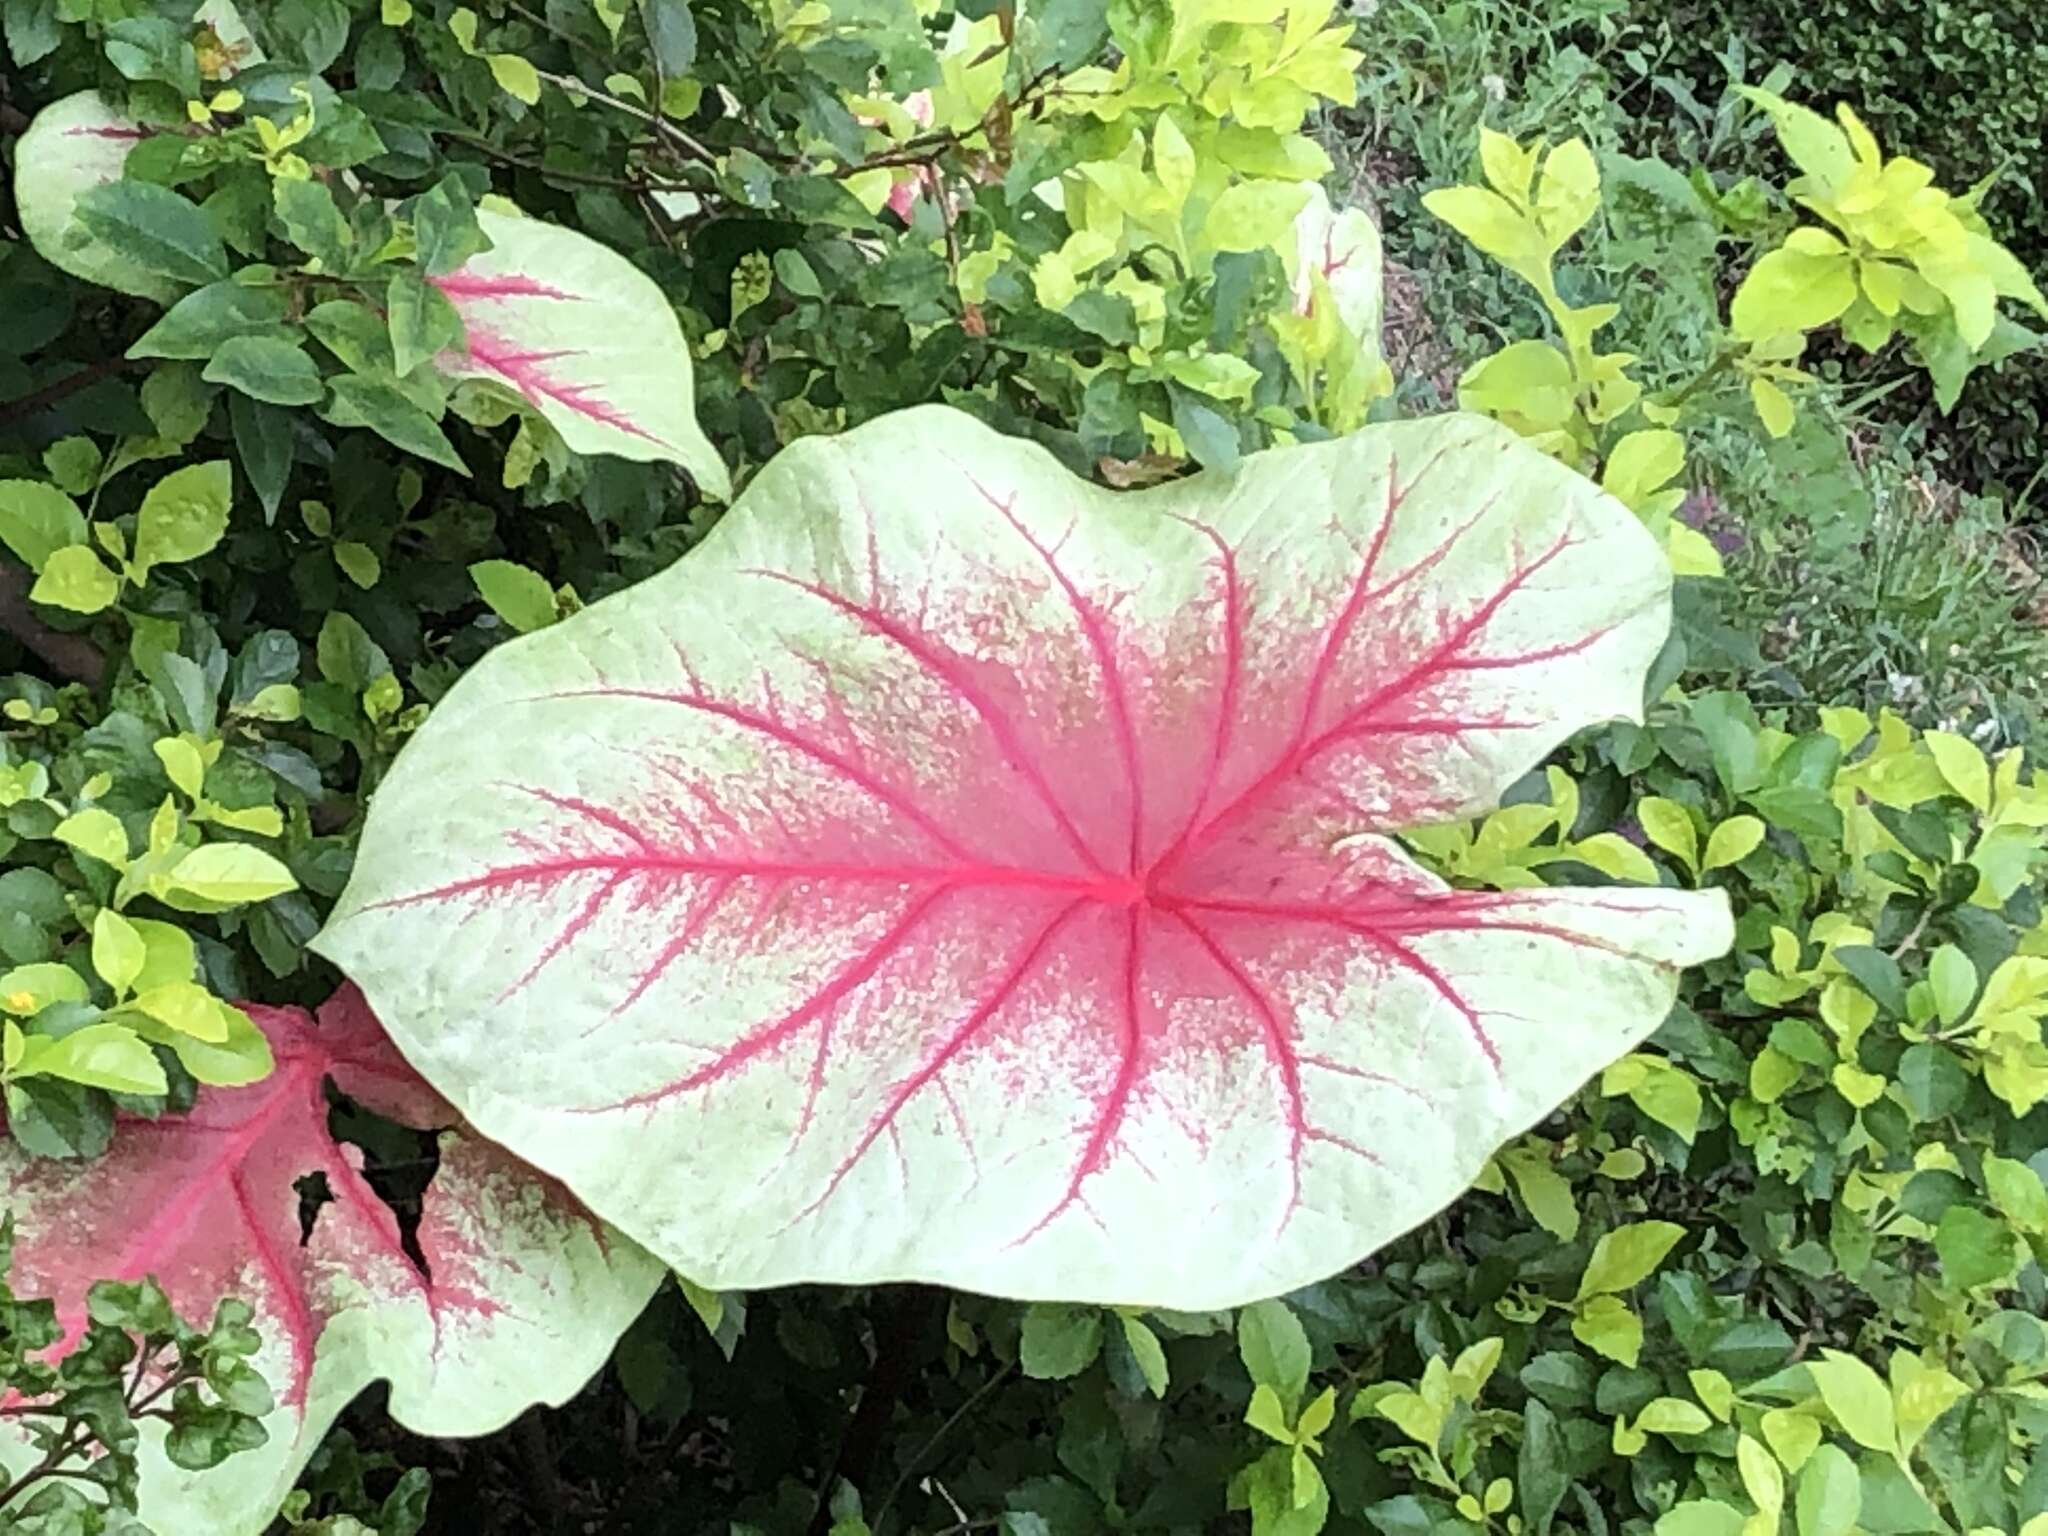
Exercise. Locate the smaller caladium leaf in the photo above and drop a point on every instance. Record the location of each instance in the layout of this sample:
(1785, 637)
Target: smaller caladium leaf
(1343, 245)
(73, 145)
(954, 871)
(521, 1300)
(583, 337)
(81, 142)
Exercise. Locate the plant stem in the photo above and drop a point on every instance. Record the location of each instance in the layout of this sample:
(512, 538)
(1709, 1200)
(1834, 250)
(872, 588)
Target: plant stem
(952, 1420)
(580, 178)
(85, 378)
(661, 125)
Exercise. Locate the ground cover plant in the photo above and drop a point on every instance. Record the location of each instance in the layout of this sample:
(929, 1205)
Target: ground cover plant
(372, 377)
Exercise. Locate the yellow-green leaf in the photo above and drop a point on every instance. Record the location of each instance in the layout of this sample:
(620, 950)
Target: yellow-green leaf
(27, 990)
(518, 78)
(76, 578)
(1793, 289)
(118, 953)
(1608, 1326)
(1774, 407)
(1626, 1256)
(95, 832)
(1857, 1397)
(229, 874)
(103, 1055)
(183, 764)
(1669, 825)
(1733, 841)
(1962, 764)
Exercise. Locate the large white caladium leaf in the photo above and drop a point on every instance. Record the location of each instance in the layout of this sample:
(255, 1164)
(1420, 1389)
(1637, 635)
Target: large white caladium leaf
(955, 871)
(585, 338)
(523, 1296)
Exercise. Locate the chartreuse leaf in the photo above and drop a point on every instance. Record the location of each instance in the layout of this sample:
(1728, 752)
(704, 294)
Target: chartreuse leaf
(1669, 825)
(1625, 1257)
(520, 1301)
(118, 953)
(1858, 1398)
(37, 520)
(585, 338)
(1732, 841)
(1762, 1479)
(222, 875)
(95, 832)
(27, 990)
(103, 1055)
(521, 597)
(184, 514)
(1088, 869)
(77, 579)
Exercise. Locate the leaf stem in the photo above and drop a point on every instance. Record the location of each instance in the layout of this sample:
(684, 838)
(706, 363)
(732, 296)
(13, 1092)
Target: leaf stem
(661, 125)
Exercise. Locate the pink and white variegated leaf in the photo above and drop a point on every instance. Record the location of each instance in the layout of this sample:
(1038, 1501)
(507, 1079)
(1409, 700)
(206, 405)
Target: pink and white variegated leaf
(955, 871)
(1342, 245)
(80, 141)
(74, 145)
(586, 339)
(523, 1296)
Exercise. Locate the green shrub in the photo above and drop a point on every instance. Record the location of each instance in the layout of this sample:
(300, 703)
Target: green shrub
(1961, 84)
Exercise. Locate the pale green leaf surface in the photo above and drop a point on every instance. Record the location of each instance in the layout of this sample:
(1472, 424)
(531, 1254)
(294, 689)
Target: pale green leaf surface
(586, 339)
(962, 698)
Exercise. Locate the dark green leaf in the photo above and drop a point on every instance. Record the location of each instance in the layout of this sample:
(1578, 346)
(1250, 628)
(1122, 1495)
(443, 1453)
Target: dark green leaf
(266, 368)
(1211, 437)
(365, 402)
(1059, 1341)
(198, 324)
(422, 320)
(264, 440)
(1975, 1249)
(444, 226)
(312, 222)
(32, 29)
(312, 31)
(1542, 1468)
(671, 34)
(1877, 973)
(161, 232)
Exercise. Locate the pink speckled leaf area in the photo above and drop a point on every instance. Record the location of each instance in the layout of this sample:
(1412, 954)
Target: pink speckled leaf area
(952, 870)
(521, 1299)
(585, 338)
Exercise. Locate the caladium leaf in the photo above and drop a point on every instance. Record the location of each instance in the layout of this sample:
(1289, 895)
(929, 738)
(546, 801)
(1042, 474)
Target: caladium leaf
(1343, 245)
(75, 144)
(955, 871)
(523, 1296)
(575, 330)
(585, 338)
(80, 142)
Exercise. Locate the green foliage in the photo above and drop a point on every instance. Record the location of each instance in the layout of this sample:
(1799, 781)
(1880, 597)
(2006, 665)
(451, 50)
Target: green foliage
(1960, 82)
(135, 1363)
